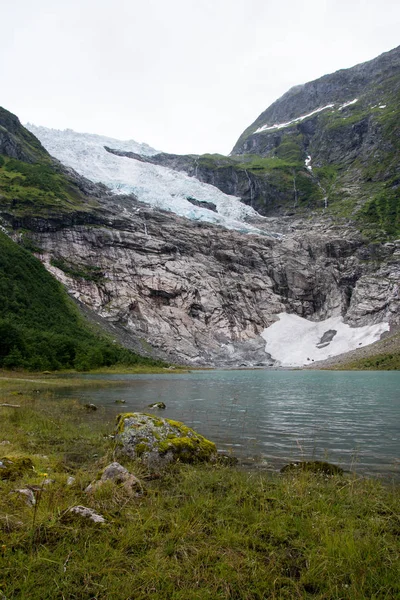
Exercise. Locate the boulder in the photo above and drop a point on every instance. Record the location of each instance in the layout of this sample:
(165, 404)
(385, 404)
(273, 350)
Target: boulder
(158, 442)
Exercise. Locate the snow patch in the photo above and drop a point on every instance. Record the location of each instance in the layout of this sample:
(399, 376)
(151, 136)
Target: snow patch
(155, 185)
(307, 116)
(382, 106)
(348, 103)
(295, 342)
(297, 120)
(307, 163)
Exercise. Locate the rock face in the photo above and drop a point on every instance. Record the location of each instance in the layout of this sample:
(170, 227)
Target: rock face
(158, 442)
(197, 294)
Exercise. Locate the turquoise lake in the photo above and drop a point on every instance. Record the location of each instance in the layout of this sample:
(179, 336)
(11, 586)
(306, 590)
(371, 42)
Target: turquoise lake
(268, 418)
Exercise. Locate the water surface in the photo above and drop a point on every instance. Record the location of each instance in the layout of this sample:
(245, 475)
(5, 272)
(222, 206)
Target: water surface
(272, 417)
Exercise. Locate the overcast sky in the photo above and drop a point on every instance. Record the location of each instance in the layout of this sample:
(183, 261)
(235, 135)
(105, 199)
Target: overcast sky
(182, 75)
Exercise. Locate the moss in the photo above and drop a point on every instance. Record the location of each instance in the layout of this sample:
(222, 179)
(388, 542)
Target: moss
(86, 272)
(142, 448)
(120, 420)
(188, 449)
(14, 468)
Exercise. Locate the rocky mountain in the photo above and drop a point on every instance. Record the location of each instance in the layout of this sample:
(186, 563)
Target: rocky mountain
(331, 143)
(182, 268)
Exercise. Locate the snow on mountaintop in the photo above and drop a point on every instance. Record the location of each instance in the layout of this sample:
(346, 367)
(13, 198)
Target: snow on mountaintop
(303, 117)
(153, 184)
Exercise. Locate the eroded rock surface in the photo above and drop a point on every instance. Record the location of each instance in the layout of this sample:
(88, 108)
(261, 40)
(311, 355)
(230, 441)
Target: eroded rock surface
(199, 294)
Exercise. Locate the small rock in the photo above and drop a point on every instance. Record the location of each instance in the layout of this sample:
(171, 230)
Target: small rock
(28, 494)
(227, 460)
(5, 443)
(159, 405)
(86, 513)
(70, 480)
(314, 466)
(48, 481)
(90, 406)
(120, 402)
(119, 475)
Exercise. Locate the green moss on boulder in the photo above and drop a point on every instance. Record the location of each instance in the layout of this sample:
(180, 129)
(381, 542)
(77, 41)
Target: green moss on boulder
(158, 441)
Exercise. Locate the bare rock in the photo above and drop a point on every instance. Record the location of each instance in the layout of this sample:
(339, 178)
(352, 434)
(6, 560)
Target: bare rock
(86, 513)
(27, 494)
(120, 476)
(159, 405)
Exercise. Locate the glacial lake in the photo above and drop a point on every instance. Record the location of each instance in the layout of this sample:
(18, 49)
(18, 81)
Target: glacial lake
(267, 418)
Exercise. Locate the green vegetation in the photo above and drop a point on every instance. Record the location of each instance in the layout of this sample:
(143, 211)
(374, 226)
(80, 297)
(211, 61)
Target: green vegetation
(256, 163)
(381, 356)
(198, 531)
(87, 272)
(41, 328)
(382, 213)
(37, 190)
(379, 362)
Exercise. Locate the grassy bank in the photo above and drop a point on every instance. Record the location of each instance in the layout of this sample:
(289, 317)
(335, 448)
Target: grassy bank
(197, 532)
(383, 355)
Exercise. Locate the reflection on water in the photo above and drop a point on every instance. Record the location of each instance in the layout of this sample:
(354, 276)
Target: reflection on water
(350, 418)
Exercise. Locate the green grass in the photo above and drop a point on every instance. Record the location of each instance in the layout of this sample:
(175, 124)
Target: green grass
(198, 532)
(384, 361)
(41, 328)
(380, 362)
(37, 190)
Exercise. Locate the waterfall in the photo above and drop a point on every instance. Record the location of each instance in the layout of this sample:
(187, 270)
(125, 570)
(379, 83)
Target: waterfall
(250, 187)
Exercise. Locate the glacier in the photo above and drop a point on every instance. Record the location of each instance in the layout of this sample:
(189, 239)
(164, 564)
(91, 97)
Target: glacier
(158, 186)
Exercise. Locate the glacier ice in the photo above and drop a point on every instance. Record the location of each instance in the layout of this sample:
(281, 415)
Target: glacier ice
(155, 185)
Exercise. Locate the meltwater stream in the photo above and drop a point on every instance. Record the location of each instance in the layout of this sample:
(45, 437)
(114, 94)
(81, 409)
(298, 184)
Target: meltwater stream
(272, 417)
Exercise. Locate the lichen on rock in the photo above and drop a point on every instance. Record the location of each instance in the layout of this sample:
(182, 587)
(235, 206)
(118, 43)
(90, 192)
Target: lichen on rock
(157, 441)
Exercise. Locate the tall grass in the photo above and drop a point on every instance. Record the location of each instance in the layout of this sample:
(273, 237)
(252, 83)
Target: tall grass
(198, 531)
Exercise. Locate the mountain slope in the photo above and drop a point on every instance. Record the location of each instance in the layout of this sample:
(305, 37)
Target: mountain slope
(40, 327)
(330, 145)
(343, 132)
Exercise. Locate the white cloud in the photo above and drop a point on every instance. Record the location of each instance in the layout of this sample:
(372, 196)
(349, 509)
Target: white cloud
(183, 75)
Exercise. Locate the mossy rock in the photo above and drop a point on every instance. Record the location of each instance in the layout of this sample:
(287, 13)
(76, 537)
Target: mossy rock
(14, 468)
(314, 466)
(157, 441)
